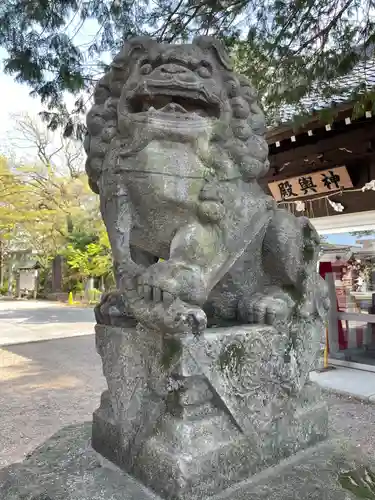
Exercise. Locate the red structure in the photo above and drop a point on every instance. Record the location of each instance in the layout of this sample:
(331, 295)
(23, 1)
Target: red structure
(325, 268)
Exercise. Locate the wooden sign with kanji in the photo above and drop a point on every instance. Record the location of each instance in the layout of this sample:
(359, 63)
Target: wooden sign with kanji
(326, 181)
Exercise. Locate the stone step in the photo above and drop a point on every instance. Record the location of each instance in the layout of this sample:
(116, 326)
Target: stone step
(187, 476)
(193, 412)
(203, 433)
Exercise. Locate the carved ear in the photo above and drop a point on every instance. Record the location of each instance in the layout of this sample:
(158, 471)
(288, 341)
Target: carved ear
(210, 44)
(134, 47)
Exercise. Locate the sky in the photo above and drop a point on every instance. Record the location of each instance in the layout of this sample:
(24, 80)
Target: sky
(342, 239)
(15, 100)
(16, 97)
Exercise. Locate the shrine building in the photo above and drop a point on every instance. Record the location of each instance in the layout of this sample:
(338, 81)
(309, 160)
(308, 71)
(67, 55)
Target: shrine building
(326, 171)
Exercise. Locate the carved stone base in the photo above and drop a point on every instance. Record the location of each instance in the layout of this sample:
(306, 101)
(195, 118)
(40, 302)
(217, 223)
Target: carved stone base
(192, 416)
(191, 459)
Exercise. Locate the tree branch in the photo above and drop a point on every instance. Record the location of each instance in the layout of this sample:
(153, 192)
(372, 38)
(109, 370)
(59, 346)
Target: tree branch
(323, 32)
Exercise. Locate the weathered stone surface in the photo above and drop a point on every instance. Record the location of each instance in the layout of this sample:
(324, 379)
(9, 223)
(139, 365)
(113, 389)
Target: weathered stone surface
(66, 468)
(199, 413)
(257, 374)
(175, 146)
(330, 471)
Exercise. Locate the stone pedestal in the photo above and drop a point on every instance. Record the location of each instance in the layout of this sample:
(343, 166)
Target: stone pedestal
(66, 468)
(191, 416)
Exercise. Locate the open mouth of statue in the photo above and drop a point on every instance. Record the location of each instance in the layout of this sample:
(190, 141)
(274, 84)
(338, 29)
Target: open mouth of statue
(176, 105)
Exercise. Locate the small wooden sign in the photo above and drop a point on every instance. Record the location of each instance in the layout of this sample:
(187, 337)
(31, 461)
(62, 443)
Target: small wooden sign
(326, 181)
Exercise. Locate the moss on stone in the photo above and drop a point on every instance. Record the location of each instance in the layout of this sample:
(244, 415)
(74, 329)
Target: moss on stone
(172, 351)
(360, 482)
(232, 357)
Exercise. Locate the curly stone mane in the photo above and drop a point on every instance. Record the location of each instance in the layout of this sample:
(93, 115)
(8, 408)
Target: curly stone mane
(239, 138)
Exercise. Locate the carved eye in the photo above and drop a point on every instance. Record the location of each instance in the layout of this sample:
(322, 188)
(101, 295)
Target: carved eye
(232, 88)
(146, 69)
(249, 93)
(204, 71)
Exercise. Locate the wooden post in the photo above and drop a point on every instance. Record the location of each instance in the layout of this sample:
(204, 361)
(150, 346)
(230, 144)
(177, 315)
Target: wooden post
(333, 330)
(326, 351)
(372, 325)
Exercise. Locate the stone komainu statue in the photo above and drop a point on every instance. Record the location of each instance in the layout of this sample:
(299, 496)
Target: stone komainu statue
(175, 146)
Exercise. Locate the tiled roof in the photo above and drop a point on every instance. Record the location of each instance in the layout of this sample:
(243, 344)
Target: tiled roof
(361, 78)
(29, 264)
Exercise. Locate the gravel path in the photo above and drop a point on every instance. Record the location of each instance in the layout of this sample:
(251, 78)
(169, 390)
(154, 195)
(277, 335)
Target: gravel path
(354, 419)
(47, 385)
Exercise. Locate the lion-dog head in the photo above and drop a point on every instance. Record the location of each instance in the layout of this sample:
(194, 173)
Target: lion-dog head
(180, 91)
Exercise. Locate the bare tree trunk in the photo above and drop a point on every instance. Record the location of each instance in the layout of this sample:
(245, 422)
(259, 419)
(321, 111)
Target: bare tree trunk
(1, 264)
(10, 279)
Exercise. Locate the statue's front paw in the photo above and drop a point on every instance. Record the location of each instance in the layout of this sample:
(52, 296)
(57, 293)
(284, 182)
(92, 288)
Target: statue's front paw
(176, 317)
(317, 303)
(264, 309)
(166, 281)
(186, 318)
(113, 310)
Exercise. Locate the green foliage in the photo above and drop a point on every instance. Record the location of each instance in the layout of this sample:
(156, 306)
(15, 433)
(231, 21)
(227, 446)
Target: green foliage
(4, 288)
(360, 482)
(93, 297)
(288, 48)
(80, 240)
(40, 207)
(43, 279)
(92, 260)
(51, 210)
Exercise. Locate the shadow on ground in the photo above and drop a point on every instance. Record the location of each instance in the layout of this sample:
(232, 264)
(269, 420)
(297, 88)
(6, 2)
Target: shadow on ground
(45, 386)
(43, 315)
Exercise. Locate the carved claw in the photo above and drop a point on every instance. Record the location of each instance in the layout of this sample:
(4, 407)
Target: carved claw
(166, 281)
(113, 310)
(266, 309)
(318, 303)
(175, 317)
(154, 294)
(187, 318)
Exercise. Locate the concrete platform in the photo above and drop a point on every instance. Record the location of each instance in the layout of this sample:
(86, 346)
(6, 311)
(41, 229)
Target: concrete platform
(356, 383)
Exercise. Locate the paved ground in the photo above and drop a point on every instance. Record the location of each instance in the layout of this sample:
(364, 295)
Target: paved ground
(26, 321)
(43, 387)
(347, 381)
(47, 385)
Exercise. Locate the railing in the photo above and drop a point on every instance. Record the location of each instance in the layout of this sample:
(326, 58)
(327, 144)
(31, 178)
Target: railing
(367, 318)
(340, 339)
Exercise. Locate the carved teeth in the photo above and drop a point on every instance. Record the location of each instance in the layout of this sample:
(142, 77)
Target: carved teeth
(174, 107)
(168, 104)
(198, 114)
